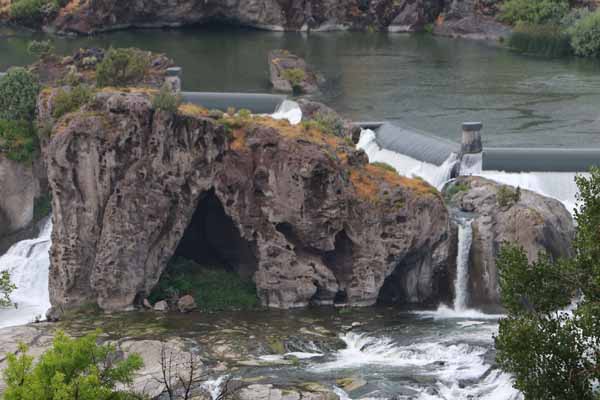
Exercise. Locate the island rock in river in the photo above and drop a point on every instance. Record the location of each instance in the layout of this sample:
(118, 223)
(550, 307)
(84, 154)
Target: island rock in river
(295, 208)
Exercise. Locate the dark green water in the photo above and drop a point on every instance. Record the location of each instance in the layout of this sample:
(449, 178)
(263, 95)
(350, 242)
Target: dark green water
(430, 83)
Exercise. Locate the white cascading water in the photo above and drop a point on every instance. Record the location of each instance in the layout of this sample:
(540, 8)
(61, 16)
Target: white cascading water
(289, 110)
(28, 263)
(461, 284)
(435, 175)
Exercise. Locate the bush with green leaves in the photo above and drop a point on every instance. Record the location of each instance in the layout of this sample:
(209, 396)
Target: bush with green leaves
(41, 48)
(19, 89)
(213, 287)
(166, 100)
(67, 101)
(295, 76)
(18, 140)
(585, 36)
(507, 196)
(6, 288)
(535, 12)
(72, 369)
(546, 40)
(33, 12)
(552, 352)
(122, 67)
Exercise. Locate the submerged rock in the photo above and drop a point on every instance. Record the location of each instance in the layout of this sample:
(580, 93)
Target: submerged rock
(503, 214)
(133, 186)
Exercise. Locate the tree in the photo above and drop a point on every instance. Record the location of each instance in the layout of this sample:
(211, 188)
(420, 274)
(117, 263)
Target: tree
(73, 369)
(6, 288)
(18, 95)
(550, 346)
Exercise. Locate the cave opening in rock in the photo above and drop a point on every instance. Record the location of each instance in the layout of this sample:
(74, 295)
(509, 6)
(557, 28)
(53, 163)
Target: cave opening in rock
(213, 239)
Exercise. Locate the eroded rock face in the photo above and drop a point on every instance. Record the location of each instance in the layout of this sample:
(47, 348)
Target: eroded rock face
(290, 210)
(19, 187)
(102, 15)
(537, 223)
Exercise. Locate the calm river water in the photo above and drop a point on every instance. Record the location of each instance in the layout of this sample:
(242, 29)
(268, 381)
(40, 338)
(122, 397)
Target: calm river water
(429, 83)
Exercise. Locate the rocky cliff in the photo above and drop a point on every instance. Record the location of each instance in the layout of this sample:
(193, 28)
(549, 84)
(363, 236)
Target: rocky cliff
(503, 214)
(93, 16)
(295, 208)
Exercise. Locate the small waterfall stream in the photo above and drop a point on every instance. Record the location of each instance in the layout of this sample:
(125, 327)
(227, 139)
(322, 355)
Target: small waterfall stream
(461, 284)
(28, 263)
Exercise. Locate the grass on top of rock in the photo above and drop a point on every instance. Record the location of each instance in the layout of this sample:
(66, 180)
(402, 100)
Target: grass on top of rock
(166, 100)
(213, 287)
(67, 101)
(455, 188)
(508, 196)
(294, 76)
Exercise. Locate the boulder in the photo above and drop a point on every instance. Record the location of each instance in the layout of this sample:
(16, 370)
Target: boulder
(161, 306)
(290, 73)
(132, 187)
(501, 215)
(271, 392)
(186, 304)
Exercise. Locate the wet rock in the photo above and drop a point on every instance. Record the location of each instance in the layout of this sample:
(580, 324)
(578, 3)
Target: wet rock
(186, 304)
(290, 212)
(537, 223)
(161, 306)
(470, 19)
(271, 392)
(350, 384)
(147, 304)
(290, 73)
(18, 187)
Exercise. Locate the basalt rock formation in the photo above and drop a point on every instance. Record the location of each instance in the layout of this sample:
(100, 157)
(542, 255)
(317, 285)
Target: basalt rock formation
(502, 214)
(92, 16)
(299, 211)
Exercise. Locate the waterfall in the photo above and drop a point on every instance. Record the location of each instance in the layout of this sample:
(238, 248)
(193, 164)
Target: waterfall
(289, 110)
(28, 263)
(461, 284)
(435, 175)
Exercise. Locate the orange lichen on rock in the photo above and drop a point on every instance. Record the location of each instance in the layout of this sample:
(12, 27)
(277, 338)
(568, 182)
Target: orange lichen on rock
(370, 179)
(239, 140)
(193, 110)
(308, 133)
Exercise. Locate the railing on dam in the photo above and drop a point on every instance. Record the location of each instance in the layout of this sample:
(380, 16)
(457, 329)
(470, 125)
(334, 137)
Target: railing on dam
(434, 150)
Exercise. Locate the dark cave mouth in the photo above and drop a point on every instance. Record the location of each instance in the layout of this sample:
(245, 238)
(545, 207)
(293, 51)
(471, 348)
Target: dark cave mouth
(212, 262)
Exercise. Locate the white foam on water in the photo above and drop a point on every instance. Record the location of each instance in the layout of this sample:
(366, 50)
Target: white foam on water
(215, 386)
(28, 263)
(497, 385)
(446, 361)
(466, 324)
(297, 354)
(445, 312)
(289, 110)
(435, 175)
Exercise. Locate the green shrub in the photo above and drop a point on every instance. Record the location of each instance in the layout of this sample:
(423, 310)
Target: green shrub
(71, 100)
(6, 288)
(166, 100)
(213, 288)
(295, 76)
(72, 369)
(28, 12)
(507, 196)
(18, 140)
(18, 95)
(573, 17)
(585, 36)
(325, 122)
(546, 40)
(384, 166)
(121, 67)
(534, 11)
(244, 113)
(456, 188)
(40, 49)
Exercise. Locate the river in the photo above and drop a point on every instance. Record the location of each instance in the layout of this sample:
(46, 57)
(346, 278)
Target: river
(421, 81)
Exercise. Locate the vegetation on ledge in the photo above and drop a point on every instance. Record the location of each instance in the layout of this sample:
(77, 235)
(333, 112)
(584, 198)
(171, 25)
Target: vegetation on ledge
(213, 287)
